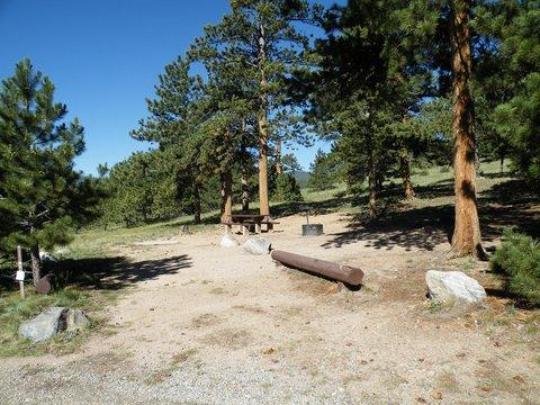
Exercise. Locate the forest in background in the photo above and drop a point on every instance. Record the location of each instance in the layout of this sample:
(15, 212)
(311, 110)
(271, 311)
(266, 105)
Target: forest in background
(394, 85)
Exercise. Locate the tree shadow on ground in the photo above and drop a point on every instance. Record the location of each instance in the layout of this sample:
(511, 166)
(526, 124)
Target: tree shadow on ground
(508, 204)
(413, 228)
(517, 301)
(441, 188)
(113, 273)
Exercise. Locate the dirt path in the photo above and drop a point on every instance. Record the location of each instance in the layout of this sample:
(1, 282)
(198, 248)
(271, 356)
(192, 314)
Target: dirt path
(215, 325)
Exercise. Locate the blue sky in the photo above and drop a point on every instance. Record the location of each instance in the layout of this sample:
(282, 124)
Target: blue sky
(104, 57)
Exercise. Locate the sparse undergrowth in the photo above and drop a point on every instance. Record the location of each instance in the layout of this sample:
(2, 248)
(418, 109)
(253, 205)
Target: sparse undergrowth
(14, 310)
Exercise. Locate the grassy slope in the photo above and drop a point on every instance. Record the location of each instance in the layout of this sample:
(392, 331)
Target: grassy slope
(93, 241)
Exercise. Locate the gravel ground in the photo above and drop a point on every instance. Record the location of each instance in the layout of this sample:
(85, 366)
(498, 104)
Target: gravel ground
(209, 325)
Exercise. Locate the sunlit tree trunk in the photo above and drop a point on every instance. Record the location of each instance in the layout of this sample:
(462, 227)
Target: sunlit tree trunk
(279, 165)
(226, 194)
(466, 239)
(245, 192)
(263, 129)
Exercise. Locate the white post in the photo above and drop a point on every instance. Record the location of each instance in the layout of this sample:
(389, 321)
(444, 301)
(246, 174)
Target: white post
(20, 275)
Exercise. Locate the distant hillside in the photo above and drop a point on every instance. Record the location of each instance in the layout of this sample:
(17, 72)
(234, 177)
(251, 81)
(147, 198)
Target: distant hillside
(301, 178)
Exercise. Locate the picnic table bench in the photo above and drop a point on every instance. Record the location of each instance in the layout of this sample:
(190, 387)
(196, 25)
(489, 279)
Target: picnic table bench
(248, 220)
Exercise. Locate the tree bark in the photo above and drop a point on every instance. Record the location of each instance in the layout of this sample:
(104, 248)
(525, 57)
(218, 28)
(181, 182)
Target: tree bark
(245, 174)
(263, 128)
(466, 239)
(36, 263)
(226, 194)
(279, 165)
(245, 191)
(405, 169)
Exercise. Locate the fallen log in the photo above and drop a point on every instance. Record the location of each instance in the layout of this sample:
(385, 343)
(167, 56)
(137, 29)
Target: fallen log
(335, 271)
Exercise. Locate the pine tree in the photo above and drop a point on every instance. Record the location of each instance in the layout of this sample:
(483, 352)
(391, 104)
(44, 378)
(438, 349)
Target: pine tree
(517, 119)
(176, 114)
(324, 171)
(287, 189)
(259, 43)
(373, 76)
(42, 196)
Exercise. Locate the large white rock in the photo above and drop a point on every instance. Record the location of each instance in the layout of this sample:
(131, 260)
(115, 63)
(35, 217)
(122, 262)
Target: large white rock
(228, 241)
(454, 287)
(257, 246)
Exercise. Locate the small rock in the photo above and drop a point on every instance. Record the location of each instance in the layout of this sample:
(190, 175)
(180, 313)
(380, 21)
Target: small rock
(454, 287)
(519, 379)
(437, 395)
(76, 321)
(44, 326)
(228, 241)
(257, 246)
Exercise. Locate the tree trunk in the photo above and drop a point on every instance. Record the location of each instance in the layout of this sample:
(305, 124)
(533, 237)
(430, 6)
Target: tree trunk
(263, 128)
(226, 194)
(245, 191)
(405, 169)
(245, 176)
(196, 204)
(466, 239)
(36, 263)
(372, 181)
(279, 165)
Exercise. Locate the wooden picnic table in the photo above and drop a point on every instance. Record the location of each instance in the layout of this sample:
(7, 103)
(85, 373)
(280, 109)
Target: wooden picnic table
(246, 220)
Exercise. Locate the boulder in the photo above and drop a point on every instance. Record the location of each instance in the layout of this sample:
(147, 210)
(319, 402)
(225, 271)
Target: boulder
(44, 326)
(257, 246)
(454, 287)
(228, 241)
(53, 321)
(76, 321)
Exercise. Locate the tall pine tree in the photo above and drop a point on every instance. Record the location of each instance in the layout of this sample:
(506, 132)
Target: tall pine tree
(259, 42)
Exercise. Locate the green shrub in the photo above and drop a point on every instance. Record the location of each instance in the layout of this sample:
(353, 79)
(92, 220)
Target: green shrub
(519, 258)
(287, 189)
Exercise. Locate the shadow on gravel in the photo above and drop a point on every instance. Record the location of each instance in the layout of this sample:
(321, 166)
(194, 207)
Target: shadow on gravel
(415, 228)
(113, 273)
(508, 204)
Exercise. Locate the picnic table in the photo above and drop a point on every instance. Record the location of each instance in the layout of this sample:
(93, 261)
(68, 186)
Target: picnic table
(248, 220)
